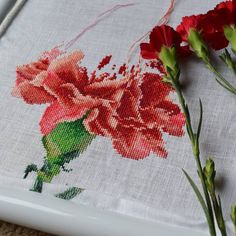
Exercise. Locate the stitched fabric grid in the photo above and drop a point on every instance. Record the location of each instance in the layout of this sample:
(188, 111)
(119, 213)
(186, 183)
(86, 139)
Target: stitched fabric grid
(151, 188)
(132, 110)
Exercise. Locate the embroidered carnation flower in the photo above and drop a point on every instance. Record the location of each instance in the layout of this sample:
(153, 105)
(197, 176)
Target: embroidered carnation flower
(136, 121)
(132, 111)
(65, 85)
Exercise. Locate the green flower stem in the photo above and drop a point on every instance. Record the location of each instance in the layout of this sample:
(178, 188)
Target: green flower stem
(218, 213)
(227, 59)
(221, 80)
(233, 217)
(38, 185)
(196, 152)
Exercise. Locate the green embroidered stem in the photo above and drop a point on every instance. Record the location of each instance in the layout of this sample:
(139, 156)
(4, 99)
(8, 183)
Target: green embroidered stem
(38, 185)
(51, 168)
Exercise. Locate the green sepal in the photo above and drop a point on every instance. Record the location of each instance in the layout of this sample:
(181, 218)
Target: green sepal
(230, 34)
(198, 45)
(67, 137)
(233, 214)
(209, 174)
(30, 168)
(63, 144)
(168, 57)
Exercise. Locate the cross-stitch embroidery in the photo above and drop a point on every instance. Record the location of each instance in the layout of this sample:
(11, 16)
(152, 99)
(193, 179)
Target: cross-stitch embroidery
(131, 107)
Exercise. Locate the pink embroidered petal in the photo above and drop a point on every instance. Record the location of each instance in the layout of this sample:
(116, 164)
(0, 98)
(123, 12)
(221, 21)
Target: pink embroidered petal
(56, 114)
(153, 89)
(101, 122)
(175, 125)
(129, 102)
(68, 70)
(30, 71)
(32, 94)
(131, 144)
(105, 89)
(155, 141)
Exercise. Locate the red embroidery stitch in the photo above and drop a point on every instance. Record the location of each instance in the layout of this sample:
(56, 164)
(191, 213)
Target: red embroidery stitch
(106, 60)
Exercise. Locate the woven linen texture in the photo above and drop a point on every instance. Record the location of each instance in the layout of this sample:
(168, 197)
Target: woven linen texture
(152, 188)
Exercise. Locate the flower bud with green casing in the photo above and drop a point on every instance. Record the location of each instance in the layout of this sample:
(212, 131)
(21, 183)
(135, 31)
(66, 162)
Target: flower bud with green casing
(168, 57)
(209, 173)
(198, 45)
(230, 34)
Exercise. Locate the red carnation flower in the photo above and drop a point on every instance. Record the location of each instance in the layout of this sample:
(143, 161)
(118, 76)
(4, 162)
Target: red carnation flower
(210, 25)
(160, 36)
(188, 22)
(229, 8)
(224, 14)
(214, 22)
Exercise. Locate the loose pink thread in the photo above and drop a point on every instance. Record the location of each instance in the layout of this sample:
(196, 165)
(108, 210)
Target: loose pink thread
(164, 20)
(99, 18)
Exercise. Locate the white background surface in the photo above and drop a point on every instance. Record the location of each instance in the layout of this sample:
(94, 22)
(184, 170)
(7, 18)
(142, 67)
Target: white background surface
(153, 188)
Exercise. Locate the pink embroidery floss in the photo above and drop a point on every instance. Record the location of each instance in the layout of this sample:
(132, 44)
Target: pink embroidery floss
(99, 18)
(162, 21)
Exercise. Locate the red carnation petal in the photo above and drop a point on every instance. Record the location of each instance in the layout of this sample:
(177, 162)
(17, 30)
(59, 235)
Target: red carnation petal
(147, 52)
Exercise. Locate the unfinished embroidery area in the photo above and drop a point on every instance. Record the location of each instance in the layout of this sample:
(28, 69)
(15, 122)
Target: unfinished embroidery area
(111, 182)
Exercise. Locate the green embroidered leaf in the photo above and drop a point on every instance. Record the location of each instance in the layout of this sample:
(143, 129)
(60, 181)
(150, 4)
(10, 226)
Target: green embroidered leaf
(30, 168)
(67, 137)
(70, 193)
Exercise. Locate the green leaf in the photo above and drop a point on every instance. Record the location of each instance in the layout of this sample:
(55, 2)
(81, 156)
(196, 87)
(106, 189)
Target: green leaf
(199, 195)
(70, 193)
(200, 120)
(30, 168)
(67, 137)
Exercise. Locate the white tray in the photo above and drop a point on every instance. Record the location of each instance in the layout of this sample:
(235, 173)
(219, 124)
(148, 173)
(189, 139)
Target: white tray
(66, 218)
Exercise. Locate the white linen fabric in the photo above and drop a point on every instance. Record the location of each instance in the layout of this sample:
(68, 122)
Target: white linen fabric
(152, 188)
